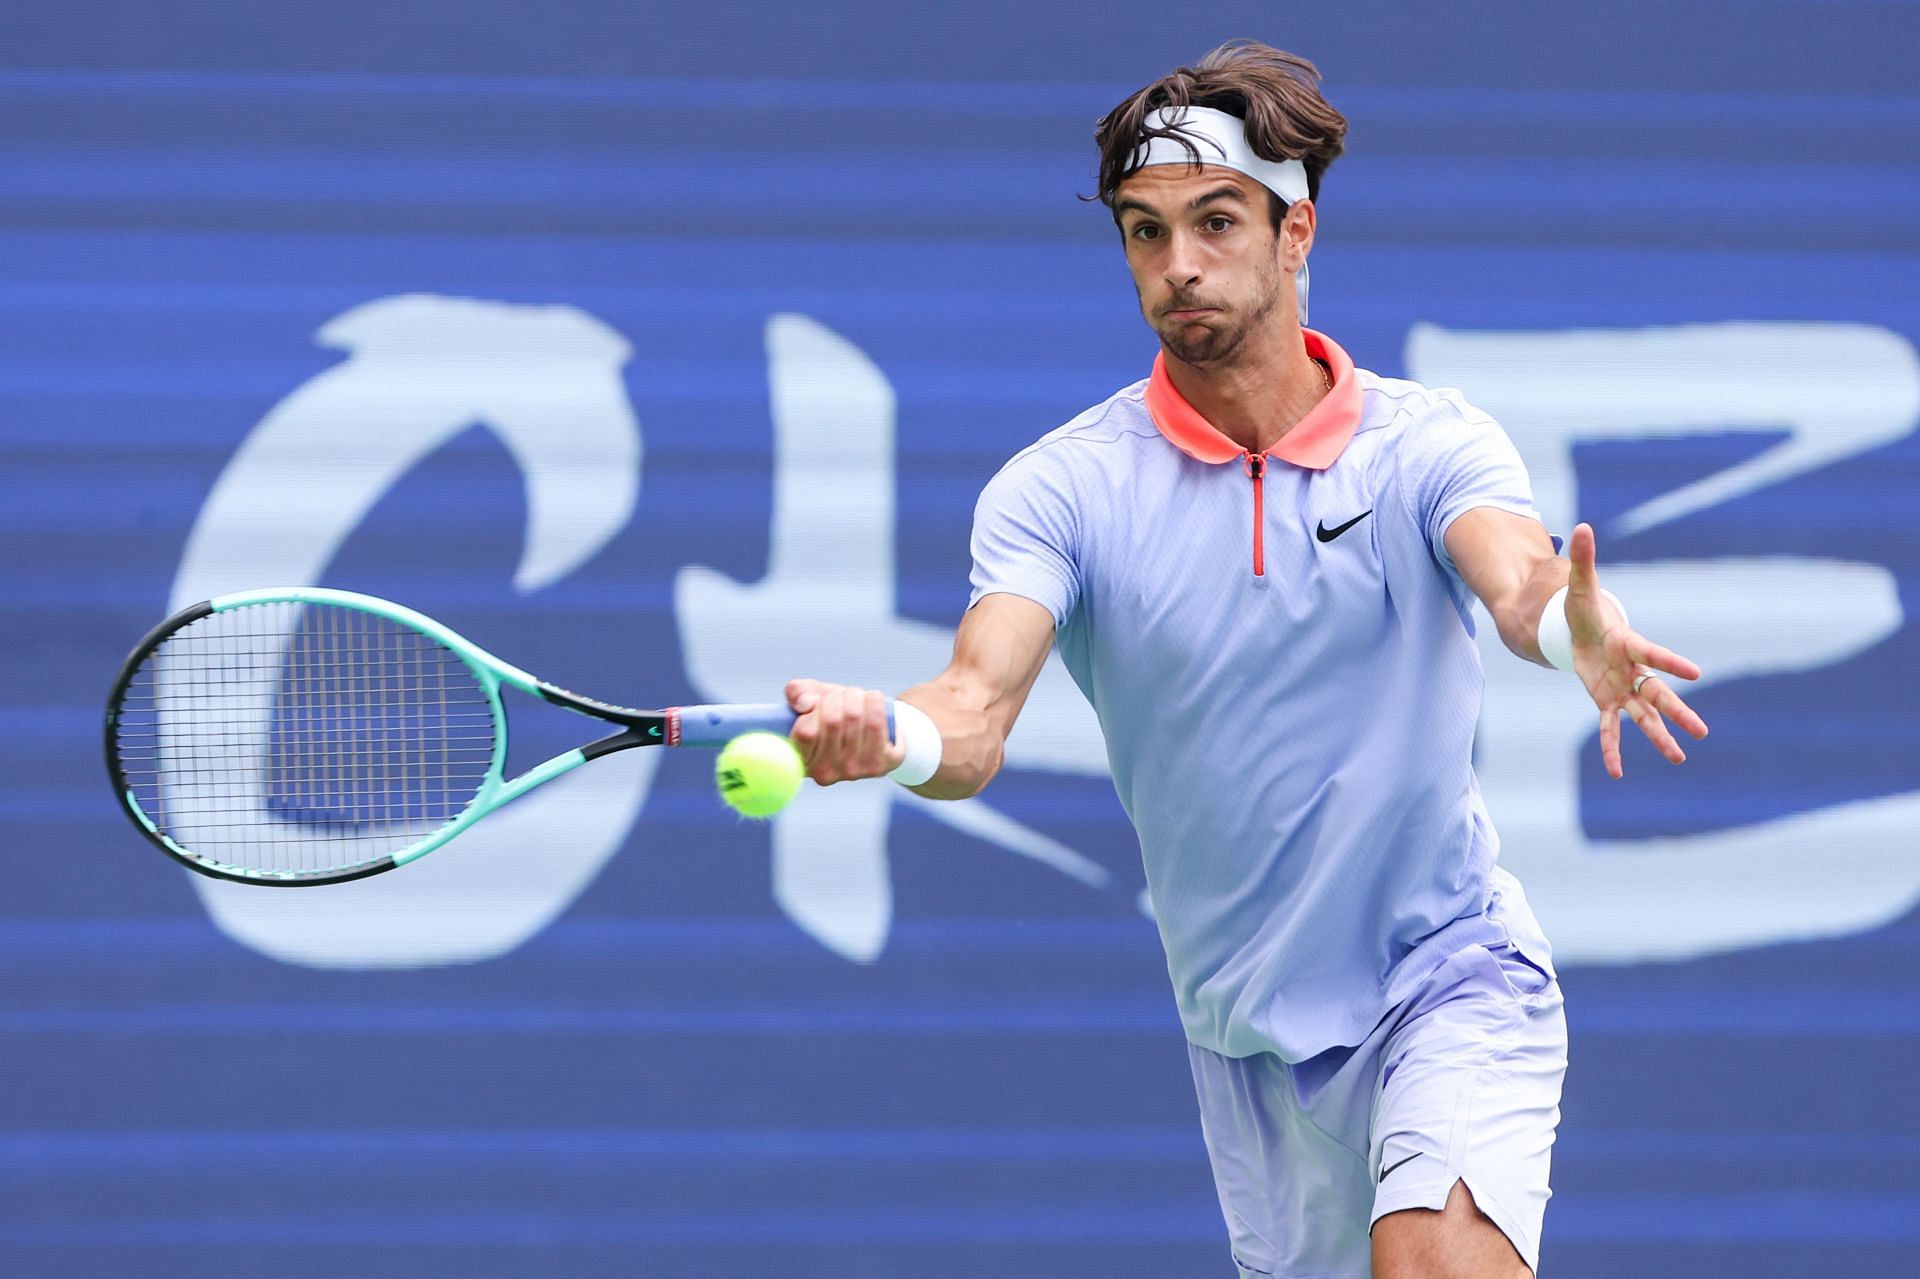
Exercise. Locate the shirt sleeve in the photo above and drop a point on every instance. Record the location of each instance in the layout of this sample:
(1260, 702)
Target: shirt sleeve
(1456, 460)
(1026, 537)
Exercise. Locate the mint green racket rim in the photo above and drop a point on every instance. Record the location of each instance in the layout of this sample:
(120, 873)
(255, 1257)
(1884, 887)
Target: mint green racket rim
(488, 671)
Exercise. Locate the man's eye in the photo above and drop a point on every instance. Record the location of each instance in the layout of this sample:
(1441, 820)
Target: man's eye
(1146, 231)
(1219, 222)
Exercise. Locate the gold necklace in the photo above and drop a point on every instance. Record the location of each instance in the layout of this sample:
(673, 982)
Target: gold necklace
(1326, 376)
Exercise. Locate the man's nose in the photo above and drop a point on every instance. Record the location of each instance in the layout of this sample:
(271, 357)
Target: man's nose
(1183, 261)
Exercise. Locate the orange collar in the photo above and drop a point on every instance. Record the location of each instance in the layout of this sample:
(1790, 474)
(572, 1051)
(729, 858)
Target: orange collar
(1315, 441)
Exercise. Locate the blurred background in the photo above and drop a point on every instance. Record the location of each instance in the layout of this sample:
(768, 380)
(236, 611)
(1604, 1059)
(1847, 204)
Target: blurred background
(663, 350)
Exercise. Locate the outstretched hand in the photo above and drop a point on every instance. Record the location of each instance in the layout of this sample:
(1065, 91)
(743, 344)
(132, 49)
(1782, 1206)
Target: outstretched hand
(1624, 671)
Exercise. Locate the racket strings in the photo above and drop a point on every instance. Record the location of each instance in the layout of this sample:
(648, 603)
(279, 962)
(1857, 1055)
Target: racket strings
(303, 740)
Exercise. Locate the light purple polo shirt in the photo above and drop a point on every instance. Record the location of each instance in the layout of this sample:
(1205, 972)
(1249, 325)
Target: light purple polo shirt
(1289, 701)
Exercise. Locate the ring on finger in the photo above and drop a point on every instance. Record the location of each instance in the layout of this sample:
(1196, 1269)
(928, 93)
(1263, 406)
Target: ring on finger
(1642, 678)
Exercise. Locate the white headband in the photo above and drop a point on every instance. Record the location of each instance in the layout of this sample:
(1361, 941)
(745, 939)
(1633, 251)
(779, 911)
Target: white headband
(1222, 139)
(1225, 136)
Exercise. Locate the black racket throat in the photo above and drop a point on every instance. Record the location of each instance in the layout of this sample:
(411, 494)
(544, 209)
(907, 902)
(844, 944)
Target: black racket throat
(638, 728)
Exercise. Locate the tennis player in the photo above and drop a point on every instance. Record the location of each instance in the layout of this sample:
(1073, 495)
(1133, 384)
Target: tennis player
(1259, 564)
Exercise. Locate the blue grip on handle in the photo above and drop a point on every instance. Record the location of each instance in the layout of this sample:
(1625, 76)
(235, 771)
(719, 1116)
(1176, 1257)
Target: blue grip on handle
(717, 725)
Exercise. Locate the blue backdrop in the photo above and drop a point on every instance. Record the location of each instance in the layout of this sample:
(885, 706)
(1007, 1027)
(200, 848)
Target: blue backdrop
(663, 349)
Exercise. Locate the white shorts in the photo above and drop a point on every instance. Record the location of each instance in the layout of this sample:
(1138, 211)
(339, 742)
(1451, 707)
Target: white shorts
(1459, 1083)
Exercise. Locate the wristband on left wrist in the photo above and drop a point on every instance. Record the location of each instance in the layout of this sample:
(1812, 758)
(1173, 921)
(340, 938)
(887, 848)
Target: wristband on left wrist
(1555, 635)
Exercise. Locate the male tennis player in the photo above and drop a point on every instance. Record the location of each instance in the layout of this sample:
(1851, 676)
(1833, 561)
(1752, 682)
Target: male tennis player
(1259, 565)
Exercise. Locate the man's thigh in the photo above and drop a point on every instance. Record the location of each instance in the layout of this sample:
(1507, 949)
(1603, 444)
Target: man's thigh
(1462, 1086)
(1417, 1243)
(1464, 1121)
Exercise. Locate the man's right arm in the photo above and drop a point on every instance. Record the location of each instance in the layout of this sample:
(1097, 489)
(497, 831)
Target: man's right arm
(1002, 643)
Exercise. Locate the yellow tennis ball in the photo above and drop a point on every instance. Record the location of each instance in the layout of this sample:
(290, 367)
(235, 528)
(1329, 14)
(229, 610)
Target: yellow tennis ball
(758, 774)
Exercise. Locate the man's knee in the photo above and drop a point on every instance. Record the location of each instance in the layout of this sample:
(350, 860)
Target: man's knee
(1457, 1242)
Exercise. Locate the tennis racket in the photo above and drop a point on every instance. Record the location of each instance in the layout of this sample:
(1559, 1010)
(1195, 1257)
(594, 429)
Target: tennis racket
(299, 735)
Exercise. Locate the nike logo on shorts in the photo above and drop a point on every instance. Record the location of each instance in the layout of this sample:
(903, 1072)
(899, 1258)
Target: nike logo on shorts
(1391, 1167)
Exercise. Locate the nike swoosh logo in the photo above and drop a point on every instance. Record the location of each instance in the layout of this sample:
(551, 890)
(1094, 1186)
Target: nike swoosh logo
(1326, 534)
(1408, 1159)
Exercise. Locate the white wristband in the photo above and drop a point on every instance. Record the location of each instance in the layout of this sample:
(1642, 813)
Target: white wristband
(921, 736)
(1556, 637)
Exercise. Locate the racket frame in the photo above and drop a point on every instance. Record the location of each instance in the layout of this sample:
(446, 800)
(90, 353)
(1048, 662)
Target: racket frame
(673, 726)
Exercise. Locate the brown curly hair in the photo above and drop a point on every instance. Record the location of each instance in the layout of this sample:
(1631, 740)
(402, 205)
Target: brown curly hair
(1277, 93)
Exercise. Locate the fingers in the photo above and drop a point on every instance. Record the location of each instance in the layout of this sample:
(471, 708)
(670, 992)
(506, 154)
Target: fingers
(803, 697)
(1581, 553)
(841, 731)
(809, 729)
(1670, 704)
(1610, 743)
(803, 694)
(1644, 653)
(829, 751)
(1644, 714)
(1650, 706)
(1631, 678)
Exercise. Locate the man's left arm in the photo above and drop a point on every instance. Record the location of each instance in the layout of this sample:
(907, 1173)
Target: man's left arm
(1508, 561)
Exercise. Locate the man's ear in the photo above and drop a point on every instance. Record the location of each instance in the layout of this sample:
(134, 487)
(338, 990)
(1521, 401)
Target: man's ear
(1297, 228)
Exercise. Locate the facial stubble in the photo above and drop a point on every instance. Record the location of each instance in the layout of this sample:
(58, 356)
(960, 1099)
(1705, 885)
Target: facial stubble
(1204, 346)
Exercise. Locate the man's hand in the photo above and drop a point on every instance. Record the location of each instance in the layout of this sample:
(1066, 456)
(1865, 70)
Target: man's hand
(1611, 658)
(842, 731)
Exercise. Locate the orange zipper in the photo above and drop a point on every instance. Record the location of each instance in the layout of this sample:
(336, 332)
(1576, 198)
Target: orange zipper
(1257, 467)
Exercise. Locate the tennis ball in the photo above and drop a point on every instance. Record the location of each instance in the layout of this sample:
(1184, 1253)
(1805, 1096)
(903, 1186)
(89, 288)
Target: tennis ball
(758, 774)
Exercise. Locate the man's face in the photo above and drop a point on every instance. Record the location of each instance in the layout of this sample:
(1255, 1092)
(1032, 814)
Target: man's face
(1207, 263)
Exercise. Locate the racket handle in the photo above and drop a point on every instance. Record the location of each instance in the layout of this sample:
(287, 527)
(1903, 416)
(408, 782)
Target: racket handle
(719, 724)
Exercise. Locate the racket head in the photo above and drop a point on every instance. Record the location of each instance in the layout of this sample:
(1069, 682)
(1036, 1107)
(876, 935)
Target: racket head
(305, 736)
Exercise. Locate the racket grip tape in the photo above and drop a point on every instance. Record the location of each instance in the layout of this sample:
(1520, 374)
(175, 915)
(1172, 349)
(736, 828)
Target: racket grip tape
(719, 724)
